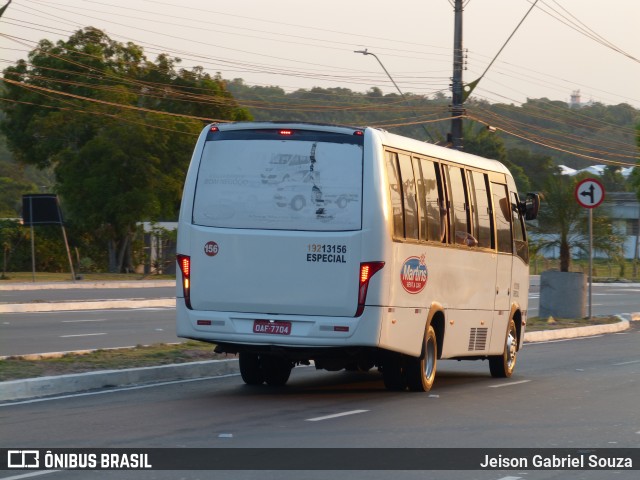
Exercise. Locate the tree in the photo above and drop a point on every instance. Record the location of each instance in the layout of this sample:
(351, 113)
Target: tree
(562, 223)
(486, 144)
(117, 159)
(537, 167)
(613, 180)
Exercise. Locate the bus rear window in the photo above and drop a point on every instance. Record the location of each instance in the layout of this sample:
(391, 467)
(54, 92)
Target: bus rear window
(279, 184)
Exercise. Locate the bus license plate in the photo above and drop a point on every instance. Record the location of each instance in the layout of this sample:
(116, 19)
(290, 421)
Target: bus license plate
(277, 327)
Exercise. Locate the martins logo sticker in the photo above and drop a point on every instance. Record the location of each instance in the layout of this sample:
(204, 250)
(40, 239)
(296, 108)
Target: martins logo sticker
(414, 274)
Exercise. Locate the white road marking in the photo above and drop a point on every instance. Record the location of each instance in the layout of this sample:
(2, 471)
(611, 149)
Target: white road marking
(335, 415)
(82, 335)
(508, 384)
(510, 478)
(529, 345)
(30, 474)
(626, 363)
(82, 321)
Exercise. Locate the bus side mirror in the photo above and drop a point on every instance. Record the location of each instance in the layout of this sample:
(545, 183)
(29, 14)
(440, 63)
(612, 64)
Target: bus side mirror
(530, 206)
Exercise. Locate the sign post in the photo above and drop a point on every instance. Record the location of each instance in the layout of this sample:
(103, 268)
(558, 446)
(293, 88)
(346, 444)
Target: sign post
(43, 209)
(590, 193)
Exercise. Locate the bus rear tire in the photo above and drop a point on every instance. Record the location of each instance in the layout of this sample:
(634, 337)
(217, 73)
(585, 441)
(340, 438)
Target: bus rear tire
(276, 370)
(502, 366)
(421, 372)
(392, 372)
(250, 368)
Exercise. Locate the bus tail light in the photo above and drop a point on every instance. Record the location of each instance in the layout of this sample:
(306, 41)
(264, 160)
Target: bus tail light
(367, 270)
(184, 263)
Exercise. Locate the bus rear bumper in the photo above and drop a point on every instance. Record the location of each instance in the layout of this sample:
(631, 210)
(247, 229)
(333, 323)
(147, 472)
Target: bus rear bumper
(296, 331)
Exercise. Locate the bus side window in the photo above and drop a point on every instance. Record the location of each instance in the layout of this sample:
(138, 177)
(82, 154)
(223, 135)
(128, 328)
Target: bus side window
(502, 208)
(411, 227)
(395, 190)
(482, 217)
(461, 232)
(519, 232)
(422, 199)
(436, 212)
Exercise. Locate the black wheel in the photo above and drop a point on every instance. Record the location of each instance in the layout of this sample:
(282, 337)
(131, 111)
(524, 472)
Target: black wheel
(502, 366)
(250, 368)
(298, 202)
(276, 370)
(421, 372)
(392, 372)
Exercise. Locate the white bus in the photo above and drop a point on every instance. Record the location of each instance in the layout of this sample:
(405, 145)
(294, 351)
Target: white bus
(373, 250)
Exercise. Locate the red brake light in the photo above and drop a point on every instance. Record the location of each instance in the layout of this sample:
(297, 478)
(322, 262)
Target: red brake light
(184, 263)
(285, 132)
(358, 133)
(367, 270)
(214, 129)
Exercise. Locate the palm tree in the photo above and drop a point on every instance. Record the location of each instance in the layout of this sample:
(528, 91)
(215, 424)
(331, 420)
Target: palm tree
(562, 223)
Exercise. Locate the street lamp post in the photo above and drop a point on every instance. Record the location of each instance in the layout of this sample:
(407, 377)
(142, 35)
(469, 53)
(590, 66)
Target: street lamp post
(367, 52)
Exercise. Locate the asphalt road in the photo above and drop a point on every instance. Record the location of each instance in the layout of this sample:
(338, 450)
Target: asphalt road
(84, 294)
(579, 393)
(64, 331)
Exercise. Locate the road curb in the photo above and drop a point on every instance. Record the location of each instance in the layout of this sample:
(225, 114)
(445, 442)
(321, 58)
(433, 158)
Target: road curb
(66, 384)
(87, 305)
(567, 333)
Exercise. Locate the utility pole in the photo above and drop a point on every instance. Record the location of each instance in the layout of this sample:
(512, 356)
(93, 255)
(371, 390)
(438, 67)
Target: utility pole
(457, 110)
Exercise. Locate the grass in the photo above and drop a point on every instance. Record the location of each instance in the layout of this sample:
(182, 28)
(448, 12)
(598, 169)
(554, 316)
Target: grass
(20, 367)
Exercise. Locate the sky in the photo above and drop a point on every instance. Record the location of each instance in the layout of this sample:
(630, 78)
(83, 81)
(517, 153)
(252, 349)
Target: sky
(561, 47)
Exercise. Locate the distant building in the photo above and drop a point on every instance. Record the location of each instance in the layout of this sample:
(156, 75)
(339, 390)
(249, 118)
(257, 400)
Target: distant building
(624, 210)
(575, 100)
(593, 170)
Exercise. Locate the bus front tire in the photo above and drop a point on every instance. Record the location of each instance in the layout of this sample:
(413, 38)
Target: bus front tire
(502, 366)
(250, 368)
(421, 372)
